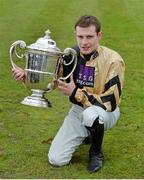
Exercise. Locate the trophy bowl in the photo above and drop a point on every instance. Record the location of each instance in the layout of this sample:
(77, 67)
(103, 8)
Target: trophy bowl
(43, 60)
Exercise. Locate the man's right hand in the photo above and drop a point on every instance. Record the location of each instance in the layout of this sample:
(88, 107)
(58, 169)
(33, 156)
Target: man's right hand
(18, 74)
(54, 84)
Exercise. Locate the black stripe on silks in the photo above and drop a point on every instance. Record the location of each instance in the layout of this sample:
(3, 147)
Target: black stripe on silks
(73, 99)
(110, 98)
(113, 81)
(93, 100)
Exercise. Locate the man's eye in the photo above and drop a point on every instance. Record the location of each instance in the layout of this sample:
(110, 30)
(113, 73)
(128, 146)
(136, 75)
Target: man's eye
(89, 37)
(80, 37)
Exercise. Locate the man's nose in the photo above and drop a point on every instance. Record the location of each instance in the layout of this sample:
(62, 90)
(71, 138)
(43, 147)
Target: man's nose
(84, 41)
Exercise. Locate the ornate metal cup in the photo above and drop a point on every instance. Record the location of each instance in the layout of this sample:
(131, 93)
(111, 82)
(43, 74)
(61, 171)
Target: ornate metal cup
(43, 59)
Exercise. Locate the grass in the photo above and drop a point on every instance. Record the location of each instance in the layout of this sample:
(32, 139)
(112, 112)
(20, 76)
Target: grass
(24, 130)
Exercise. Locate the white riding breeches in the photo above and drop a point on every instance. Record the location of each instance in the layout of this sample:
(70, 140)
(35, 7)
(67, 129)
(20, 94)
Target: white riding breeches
(73, 131)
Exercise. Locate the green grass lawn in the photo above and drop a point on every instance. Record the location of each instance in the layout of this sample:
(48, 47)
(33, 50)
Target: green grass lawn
(24, 130)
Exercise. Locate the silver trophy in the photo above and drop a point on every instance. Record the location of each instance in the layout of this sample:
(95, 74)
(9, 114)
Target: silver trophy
(43, 60)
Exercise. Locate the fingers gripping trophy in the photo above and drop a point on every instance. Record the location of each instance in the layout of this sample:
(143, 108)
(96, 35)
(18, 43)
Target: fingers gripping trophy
(42, 61)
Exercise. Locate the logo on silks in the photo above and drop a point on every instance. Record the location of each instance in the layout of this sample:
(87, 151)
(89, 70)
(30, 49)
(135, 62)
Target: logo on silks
(86, 76)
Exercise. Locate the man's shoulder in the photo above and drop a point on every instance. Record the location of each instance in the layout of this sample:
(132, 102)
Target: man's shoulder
(108, 50)
(110, 53)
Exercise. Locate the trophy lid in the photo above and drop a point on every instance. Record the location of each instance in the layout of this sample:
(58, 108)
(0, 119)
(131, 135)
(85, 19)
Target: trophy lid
(45, 44)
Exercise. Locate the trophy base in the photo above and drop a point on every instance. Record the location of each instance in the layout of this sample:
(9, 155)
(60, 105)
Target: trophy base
(37, 99)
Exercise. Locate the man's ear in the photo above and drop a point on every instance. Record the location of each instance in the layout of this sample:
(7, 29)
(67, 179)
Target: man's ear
(100, 34)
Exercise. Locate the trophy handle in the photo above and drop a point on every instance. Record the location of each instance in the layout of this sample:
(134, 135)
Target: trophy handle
(13, 50)
(70, 51)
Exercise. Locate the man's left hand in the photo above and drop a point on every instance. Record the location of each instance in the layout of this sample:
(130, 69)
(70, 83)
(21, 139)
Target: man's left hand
(66, 88)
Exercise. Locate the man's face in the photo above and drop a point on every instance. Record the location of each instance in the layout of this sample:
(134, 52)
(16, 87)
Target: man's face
(87, 39)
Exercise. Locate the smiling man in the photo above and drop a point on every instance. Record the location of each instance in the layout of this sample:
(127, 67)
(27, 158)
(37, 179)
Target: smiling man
(94, 90)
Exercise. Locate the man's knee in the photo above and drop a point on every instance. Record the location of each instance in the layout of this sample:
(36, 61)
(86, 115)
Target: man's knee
(57, 160)
(91, 114)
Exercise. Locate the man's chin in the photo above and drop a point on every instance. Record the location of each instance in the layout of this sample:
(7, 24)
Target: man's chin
(85, 52)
